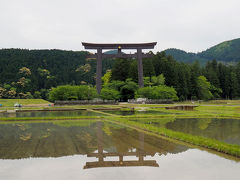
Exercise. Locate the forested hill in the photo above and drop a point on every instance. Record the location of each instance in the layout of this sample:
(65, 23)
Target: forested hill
(186, 57)
(32, 73)
(228, 51)
(48, 68)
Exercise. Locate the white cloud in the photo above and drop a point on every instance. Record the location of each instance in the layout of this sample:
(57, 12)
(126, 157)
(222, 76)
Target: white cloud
(191, 25)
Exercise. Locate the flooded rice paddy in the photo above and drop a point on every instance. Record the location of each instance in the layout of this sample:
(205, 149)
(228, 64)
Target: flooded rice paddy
(88, 149)
(226, 130)
(128, 113)
(74, 113)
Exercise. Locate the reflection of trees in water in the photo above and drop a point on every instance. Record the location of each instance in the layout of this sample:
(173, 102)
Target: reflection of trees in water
(226, 130)
(203, 123)
(47, 140)
(22, 140)
(157, 122)
(124, 141)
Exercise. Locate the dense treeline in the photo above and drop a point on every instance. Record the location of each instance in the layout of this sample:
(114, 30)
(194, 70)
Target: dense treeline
(32, 73)
(191, 81)
(46, 69)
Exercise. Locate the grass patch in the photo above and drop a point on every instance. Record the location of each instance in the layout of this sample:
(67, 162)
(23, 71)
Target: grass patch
(11, 102)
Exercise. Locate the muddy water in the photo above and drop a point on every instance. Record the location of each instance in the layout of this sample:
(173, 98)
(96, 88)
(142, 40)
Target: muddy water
(101, 150)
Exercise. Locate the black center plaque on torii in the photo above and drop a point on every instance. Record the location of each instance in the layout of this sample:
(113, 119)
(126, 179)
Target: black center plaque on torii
(99, 56)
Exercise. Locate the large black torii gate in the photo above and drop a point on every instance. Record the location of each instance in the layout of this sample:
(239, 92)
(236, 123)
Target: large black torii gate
(99, 56)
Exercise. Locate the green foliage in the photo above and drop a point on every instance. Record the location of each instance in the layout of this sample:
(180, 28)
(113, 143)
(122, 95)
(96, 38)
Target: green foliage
(51, 68)
(45, 68)
(120, 69)
(11, 94)
(68, 92)
(157, 92)
(158, 80)
(148, 68)
(204, 88)
(29, 95)
(147, 81)
(2, 92)
(115, 85)
(110, 94)
(37, 95)
(25, 71)
(44, 93)
(7, 86)
(128, 90)
(216, 92)
(154, 80)
(225, 51)
(107, 77)
(133, 71)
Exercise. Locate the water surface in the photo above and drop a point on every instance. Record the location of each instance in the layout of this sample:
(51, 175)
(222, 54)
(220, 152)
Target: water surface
(127, 113)
(51, 114)
(226, 130)
(101, 150)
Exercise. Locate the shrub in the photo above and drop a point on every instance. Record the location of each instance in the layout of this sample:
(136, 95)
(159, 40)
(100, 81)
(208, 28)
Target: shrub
(128, 90)
(67, 92)
(157, 92)
(110, 94)
(37, 95)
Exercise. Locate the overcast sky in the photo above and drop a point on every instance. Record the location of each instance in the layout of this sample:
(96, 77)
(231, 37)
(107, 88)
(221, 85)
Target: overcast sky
(191, 25)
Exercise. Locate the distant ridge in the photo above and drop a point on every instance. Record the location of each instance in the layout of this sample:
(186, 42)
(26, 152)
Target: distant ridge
(227, 51)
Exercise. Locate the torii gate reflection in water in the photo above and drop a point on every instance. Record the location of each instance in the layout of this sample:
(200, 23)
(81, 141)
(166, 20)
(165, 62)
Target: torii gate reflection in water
(99, 56)
(101, 155)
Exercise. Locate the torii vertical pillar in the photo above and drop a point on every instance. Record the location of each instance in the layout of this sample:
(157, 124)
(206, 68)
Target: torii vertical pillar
(140, 68)
(99, 71)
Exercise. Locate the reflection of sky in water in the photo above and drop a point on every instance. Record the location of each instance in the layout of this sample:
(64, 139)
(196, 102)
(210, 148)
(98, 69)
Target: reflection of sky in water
(61, 139)
(191, 164)
(226, 130)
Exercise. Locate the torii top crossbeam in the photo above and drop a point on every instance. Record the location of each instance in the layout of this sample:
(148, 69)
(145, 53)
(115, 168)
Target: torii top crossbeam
(121, 45)
(99, 56)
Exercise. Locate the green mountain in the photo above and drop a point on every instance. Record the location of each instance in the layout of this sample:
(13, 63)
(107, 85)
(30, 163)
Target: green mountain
(185, 57)
(228, 51)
